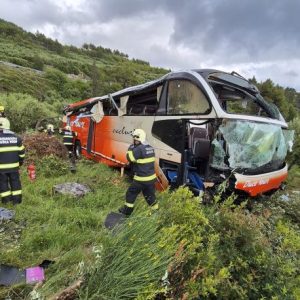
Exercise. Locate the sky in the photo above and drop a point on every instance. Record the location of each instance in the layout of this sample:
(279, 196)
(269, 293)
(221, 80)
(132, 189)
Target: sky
(258, 38)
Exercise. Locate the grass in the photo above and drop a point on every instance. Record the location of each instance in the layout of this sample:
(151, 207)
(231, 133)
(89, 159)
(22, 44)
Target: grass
(58, 227)
(130, 263)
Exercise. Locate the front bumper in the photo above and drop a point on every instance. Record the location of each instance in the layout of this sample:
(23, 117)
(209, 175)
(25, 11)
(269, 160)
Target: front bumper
(258, 184)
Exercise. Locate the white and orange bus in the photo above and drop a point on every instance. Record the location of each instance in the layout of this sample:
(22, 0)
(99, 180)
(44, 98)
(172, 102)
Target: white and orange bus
(205, 125)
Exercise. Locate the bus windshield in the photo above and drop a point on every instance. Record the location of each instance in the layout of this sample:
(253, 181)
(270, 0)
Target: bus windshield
(246, 145)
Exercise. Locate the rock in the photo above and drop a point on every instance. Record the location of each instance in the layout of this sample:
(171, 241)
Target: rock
(72, 188)
(6, 214)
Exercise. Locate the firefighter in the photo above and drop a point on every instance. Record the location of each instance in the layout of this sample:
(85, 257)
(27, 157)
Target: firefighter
(68, 137)
(12, 153)
(50, 129)
(68, 141)
(141, 156)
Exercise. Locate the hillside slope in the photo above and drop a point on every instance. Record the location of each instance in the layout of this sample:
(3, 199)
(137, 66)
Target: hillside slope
(100, 70)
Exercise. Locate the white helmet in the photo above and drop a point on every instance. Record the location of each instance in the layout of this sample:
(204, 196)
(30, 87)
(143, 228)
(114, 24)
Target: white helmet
(139, 135)
(4, 123)
(68, 127)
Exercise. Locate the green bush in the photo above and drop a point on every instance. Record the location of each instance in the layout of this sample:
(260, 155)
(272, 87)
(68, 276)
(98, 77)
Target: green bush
(24, 111)
(294, 156)
(226, 252)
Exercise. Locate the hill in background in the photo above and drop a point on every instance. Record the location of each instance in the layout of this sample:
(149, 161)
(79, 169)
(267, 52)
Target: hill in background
(44, 68)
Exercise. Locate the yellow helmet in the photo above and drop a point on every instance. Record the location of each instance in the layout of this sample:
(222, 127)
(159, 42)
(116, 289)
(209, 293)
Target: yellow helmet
(4, 123)
(139, 135)
(50, 127)
(1, 108)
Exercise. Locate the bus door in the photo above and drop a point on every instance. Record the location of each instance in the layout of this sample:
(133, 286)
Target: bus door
(96, 117)
(90, 144)
(181, 100)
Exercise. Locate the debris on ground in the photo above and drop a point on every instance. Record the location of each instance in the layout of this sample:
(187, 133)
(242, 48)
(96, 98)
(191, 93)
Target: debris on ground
(70, 292)
(285, 197)
(34, 275)
(6, 214)
(39, 145)
(72, 188)
(113, 219)
(11, 275)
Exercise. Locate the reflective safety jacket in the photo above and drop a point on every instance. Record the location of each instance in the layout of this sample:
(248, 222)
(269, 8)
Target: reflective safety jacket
(12, 151)
(68, 137)
(142, 158)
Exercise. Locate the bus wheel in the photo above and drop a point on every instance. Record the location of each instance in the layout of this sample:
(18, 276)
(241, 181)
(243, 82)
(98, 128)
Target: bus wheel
(78, 150)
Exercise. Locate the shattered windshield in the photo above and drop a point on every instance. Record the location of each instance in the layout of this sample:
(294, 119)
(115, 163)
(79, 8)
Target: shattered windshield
(250, 145)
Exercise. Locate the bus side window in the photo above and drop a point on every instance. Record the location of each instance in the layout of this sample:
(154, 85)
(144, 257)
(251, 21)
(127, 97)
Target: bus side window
(150, 110)
(184, 97)
(144, 103)
(113, 112)
(136, 110)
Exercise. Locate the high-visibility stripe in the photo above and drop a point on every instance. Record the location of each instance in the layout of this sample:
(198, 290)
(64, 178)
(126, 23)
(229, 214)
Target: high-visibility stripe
(15, 193)
(68, 143)
(11, 149)
(22, 155)
(145, 160)
(5, 194)
(131, 157)
(145, 178)
(8, 166)
(155, 206)
(129, 204)
(68, 136)
(21, 148)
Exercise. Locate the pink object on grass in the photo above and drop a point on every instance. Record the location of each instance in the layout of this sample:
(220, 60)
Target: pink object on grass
(34, 274)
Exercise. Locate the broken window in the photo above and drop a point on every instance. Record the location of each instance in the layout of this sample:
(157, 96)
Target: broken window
(184, 97)
(144, 103)
(250, 145)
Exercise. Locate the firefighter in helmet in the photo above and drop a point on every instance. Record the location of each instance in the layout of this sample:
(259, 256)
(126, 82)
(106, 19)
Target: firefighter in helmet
(50, 129)
(12, 153)
(141, 156)
(68, 141)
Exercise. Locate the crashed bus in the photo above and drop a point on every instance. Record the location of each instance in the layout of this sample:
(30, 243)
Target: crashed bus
(206, 126)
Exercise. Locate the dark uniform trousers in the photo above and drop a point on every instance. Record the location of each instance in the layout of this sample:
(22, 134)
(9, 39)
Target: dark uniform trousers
(148, 190)
(10, 187)
(142, 158)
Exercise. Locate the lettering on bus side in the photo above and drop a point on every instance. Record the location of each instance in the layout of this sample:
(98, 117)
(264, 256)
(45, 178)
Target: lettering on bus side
(255, 183)
(122, 131)
(78, 124)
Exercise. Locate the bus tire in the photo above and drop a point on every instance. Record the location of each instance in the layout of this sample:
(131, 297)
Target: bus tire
(77, 150)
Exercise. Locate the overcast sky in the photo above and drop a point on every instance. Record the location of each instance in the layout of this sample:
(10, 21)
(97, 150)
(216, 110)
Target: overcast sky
(258, 38)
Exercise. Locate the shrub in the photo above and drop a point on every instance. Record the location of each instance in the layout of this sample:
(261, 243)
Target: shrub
(24, 111)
